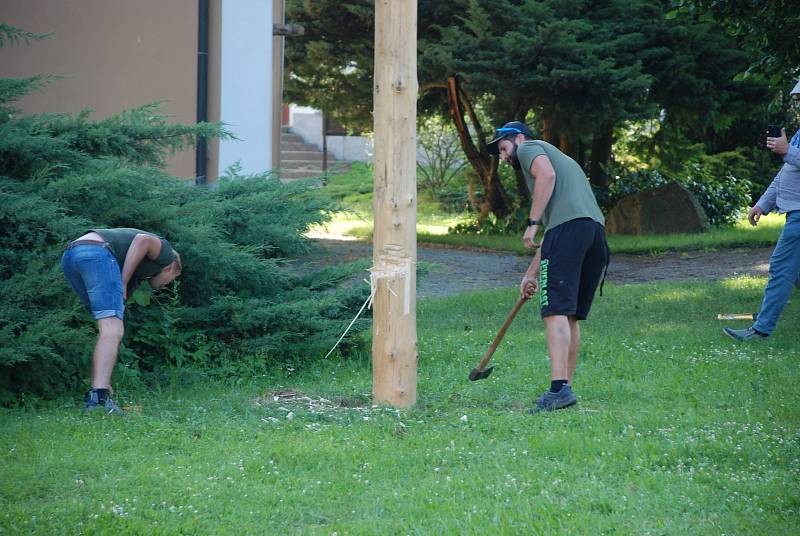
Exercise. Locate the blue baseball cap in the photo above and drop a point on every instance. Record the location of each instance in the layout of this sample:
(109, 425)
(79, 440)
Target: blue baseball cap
(511, 128)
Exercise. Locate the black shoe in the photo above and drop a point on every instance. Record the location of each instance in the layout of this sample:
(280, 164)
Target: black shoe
(551, 401)
(109, 407)
(743, 334)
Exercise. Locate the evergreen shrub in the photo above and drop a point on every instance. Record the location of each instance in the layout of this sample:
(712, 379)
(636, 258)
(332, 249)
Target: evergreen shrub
(239, 299)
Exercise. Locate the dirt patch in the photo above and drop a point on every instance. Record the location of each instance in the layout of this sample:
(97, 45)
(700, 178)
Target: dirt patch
(316, 404)
(689, 265)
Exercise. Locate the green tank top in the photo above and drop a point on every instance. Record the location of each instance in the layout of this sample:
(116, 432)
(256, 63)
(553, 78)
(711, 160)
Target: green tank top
(120, 239)
(572, 195)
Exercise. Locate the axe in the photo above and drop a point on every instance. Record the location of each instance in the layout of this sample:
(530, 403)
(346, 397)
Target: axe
(480, 372)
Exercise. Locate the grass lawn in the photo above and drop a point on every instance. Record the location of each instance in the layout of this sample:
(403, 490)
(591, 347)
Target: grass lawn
(354, 191)
(678, 430)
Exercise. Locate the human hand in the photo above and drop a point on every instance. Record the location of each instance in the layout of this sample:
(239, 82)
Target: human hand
(124, 293)
(754, 215)
(528, 286)
(779, 145)
(528, 237)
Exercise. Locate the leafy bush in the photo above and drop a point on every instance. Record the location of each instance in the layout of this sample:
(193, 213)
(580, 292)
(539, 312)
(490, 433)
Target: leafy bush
(755, 164)
(455, 201)
(515, 223)
(443, 158)
(723, 196)
(238, 298)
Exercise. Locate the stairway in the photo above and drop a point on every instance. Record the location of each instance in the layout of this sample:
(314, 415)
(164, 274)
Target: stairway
(301, 160)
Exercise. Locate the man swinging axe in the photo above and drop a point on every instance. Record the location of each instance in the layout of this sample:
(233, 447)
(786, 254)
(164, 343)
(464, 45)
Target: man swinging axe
(573, 257)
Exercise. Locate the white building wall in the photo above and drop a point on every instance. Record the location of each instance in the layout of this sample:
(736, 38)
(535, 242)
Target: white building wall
(246, 85)
(307, 122)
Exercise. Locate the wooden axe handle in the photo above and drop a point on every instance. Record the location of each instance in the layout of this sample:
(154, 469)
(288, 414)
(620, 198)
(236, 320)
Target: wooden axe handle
(737, 316)
(500, 334)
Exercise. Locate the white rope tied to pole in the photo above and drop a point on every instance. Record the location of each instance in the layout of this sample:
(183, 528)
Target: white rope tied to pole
(367, 303)
(403, 271)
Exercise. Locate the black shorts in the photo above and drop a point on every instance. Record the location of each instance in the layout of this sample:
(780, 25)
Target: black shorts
(574, 259)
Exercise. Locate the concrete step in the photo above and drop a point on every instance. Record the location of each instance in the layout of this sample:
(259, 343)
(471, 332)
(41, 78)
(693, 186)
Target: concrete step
(287, 174)
(294, 175)
(304, 160)
(338, 167)
(295, 146)
(311, 156)
(312, 162)
(315, 167)
(302, 164)
(291, 138)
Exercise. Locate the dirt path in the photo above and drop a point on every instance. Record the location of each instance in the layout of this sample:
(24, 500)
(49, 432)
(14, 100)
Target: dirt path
(458, 270)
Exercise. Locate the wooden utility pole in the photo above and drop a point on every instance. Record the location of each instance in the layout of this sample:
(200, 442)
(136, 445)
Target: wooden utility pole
(394, 343)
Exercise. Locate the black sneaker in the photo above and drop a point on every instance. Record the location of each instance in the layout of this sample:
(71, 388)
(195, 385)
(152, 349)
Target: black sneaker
(541, 398)
(550, 401)
(743, 334)
(109, 407)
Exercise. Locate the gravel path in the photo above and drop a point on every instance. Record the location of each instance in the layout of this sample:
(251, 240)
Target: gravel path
(459, 270)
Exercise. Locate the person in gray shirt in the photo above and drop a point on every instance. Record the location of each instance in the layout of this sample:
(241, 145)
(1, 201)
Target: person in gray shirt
(782, 195)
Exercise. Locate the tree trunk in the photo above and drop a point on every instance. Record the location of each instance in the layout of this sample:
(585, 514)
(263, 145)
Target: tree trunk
(473, 199)
(602, 141)
(550, 132)
(522, 188)
(496, 198)
(393, 275)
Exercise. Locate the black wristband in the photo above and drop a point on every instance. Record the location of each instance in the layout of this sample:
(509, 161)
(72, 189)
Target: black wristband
(532, 222)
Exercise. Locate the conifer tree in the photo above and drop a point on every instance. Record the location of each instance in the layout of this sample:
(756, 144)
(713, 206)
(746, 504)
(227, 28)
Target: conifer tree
(580, 68)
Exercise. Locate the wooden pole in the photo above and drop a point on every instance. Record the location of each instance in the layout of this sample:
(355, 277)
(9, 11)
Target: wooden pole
(394, 343)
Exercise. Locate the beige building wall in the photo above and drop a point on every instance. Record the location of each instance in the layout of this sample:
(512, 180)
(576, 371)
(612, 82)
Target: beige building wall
(114, 55)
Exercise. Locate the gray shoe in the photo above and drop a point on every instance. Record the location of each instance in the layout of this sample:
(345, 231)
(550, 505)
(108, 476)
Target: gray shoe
(540, 400)
(743, 334)
(550, 401)
(108, 406)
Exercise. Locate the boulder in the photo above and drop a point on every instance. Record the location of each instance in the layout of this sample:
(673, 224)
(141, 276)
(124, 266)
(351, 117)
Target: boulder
(666, 209)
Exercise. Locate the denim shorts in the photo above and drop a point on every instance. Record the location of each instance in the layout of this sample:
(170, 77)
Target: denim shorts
(94, 275)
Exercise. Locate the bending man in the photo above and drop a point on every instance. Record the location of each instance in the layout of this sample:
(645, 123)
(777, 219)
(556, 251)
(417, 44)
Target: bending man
(104, 267)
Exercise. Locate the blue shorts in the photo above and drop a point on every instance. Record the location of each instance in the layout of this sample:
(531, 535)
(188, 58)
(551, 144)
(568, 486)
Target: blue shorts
(94, 275)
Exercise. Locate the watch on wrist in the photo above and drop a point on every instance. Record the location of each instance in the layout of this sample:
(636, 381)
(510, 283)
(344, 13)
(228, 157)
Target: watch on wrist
(532, 222)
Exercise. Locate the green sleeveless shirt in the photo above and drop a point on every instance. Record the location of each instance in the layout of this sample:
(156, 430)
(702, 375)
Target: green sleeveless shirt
(120, 240)
(572, 196)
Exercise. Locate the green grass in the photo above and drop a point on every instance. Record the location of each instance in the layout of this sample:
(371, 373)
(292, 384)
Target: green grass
(354, 191)
(678, 430)
(740, 235)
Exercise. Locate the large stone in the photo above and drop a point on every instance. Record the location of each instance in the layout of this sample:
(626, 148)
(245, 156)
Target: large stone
(667, 209)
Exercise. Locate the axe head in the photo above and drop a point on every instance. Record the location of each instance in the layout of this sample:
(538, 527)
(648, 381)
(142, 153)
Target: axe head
(476, 374)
